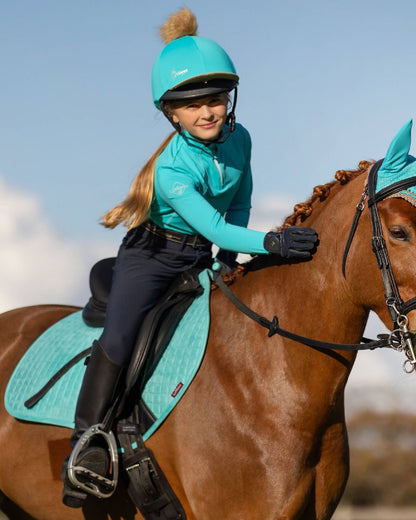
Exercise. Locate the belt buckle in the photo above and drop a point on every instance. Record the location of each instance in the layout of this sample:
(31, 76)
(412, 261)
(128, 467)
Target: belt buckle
(194, 242)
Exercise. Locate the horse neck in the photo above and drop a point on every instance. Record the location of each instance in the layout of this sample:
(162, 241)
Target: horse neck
(313, 298)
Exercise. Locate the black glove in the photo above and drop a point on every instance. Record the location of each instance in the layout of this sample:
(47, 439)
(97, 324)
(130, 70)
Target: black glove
(292, 242)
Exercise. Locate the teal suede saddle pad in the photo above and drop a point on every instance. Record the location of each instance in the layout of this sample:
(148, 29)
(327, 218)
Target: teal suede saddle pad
(70, 336)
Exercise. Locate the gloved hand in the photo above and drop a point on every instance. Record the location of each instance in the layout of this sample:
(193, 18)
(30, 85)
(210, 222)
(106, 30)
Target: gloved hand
(292, 242)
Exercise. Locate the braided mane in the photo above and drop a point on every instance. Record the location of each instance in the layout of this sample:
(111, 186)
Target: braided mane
(320, 193)
(300, 213)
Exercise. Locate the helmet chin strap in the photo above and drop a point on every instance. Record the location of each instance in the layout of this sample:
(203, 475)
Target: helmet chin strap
(222, 137)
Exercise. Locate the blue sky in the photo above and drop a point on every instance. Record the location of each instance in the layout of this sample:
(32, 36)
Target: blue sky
(324, 84)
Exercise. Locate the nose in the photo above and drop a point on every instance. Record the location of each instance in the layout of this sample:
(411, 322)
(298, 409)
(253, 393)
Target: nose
(207, 112)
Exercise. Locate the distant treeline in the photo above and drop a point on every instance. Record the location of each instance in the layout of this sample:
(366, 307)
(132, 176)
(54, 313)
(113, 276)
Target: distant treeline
(383, 461)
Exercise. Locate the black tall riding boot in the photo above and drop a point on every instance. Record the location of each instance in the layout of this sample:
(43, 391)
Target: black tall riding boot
(102, 381)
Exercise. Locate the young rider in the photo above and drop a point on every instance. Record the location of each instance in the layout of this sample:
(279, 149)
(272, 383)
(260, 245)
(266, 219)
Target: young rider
(194, 191)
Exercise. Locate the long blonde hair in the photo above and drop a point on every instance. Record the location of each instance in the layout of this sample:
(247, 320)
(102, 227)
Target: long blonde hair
(135, 208)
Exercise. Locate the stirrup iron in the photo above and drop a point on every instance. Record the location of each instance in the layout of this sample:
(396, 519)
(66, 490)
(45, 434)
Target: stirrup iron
(88, 480)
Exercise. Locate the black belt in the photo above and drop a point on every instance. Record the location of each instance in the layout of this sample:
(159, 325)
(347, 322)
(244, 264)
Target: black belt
(195, 241)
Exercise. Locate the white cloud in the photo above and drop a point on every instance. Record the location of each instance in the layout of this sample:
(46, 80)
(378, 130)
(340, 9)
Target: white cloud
(37, 264)
(270, 211)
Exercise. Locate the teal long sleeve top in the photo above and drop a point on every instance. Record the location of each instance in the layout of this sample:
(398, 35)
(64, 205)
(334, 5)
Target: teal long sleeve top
(206, 190)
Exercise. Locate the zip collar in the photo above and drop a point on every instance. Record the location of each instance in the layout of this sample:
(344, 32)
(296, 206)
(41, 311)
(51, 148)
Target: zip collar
(207, 146)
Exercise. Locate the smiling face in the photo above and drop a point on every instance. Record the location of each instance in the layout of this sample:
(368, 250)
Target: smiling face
(203, 118)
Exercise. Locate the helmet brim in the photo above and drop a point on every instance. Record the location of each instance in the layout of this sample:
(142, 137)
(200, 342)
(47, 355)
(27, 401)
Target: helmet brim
(201, 87)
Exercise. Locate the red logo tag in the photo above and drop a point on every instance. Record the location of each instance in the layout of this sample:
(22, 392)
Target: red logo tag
(177, 390)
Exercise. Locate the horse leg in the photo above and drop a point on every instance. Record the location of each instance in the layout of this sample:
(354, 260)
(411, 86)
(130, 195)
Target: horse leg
(332, 470)
(319, 490)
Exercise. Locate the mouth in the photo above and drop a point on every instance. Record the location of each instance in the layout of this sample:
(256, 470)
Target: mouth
(208, 126)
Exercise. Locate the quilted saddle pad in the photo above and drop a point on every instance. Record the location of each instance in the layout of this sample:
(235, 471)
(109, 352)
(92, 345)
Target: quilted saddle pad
(70, 336)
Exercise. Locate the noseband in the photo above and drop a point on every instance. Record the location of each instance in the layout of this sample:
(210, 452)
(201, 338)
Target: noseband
(401, 339)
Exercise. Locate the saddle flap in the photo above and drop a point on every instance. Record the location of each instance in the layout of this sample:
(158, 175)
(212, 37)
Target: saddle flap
(159, 326)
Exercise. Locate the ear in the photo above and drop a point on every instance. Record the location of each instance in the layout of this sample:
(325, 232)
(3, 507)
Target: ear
(397, 155)
(175, 118)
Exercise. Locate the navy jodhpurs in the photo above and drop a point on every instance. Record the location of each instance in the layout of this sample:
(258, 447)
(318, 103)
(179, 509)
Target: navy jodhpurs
(145, 267)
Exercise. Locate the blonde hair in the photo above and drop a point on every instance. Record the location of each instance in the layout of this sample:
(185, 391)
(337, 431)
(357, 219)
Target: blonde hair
(135, 208)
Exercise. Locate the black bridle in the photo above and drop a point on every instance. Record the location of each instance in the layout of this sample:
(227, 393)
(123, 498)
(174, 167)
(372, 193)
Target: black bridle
(401, 338)
(397, 308)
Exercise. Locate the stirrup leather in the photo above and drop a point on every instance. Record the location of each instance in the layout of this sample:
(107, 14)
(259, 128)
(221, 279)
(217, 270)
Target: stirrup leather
(87, 480)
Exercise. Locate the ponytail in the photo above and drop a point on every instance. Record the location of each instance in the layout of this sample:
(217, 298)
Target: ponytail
(135, 208)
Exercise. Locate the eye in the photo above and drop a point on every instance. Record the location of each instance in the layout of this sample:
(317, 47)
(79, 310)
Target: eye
(215, 101)
(399, 233)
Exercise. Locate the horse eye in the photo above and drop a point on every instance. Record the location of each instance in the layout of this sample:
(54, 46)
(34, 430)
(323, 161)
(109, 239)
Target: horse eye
(399, 233)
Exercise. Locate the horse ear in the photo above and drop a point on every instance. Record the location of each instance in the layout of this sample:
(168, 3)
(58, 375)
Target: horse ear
(397, 157)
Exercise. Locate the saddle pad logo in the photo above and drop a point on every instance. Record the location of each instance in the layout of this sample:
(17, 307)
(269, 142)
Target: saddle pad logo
(178, 188)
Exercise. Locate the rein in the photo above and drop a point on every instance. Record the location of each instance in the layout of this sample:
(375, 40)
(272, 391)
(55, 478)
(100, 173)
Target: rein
(273, 327)
(401, 339)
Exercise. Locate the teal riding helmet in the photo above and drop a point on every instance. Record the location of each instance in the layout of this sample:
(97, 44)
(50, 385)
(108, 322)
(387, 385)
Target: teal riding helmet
(191, 67)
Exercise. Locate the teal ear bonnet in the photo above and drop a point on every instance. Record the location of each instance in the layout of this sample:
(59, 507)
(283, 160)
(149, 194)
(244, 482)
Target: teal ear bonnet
(398, 164)
(189, 59)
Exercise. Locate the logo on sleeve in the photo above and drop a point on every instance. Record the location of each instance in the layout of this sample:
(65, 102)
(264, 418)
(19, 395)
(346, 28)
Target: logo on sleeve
(178, 188)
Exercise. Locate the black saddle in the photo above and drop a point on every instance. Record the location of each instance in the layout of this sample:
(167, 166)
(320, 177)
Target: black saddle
(154, 336)
(101, 276)
(155, 333)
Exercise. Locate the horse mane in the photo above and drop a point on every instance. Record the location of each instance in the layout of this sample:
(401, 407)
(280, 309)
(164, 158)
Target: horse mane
(300, 213)
(320, 193)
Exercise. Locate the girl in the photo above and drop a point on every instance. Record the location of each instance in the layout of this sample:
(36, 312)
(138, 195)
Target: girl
(194, 191)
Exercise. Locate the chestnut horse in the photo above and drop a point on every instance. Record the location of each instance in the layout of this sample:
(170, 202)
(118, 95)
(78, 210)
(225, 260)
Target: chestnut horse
(260, 433)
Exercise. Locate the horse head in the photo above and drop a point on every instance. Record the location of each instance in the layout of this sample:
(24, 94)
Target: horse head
(396, 189)
(391, 192)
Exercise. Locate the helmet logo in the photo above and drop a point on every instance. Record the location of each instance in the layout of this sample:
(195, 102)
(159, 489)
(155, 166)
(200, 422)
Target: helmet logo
(177, 74)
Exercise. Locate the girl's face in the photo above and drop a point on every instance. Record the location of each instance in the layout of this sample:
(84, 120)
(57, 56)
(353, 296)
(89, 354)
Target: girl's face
(203, 118)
